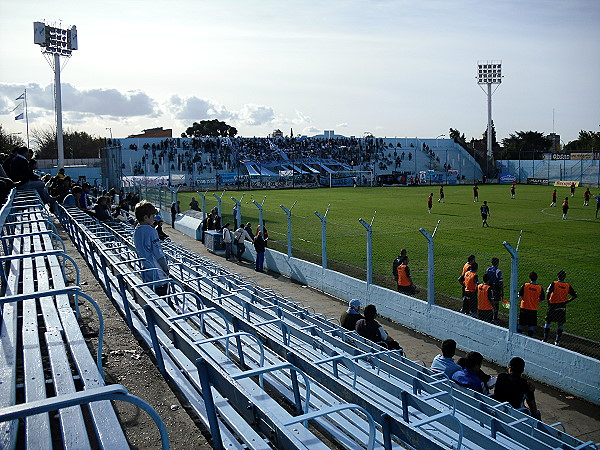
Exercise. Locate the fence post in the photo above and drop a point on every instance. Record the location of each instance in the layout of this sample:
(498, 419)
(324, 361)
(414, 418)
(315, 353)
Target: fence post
(203, 196)
(260, 210)
(219, 203)
(514, 286)
(323, 237)
(430, 266)
(369, 228)
(239, 210)
(288, 212)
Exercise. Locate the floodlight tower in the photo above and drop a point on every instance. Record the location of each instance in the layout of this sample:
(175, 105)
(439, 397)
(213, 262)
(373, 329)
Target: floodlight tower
(56, 42)
(489, 73)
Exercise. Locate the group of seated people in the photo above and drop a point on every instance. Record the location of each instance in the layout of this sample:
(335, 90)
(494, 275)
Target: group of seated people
(508, 387)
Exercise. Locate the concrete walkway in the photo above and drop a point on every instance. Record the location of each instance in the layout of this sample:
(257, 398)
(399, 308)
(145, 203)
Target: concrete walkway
(581, 419)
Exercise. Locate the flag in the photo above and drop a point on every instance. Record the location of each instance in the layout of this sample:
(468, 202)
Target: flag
(20, 116)
(21, 97)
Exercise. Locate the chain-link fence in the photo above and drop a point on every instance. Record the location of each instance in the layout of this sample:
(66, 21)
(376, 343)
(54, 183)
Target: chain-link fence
(346, 252)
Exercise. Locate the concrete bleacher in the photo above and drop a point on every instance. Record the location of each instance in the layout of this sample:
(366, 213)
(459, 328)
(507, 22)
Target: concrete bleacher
(229, 329)
(45, 364)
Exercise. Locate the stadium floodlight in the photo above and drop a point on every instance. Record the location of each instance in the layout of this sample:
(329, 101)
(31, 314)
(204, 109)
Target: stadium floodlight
(56, 42)
(489, 73)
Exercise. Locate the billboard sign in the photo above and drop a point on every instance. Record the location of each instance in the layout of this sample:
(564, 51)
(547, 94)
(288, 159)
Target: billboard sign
(506, 178)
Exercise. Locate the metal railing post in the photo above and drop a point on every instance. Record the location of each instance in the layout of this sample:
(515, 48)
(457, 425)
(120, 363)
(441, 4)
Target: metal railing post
(219, 203)
(323, 237)
(288, 212)
(239, 210)
(430, 265)
(260, 210)
(514, 286)
(369, 228)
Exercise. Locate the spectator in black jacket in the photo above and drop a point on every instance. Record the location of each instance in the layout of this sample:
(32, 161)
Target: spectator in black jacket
(21, 173)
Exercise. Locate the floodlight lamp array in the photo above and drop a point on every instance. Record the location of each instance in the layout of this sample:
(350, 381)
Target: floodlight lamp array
(489, 72)
(55, 40)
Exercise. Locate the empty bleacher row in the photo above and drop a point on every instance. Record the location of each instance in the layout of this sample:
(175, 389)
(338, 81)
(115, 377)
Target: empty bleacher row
(45, 363)
(237, 351)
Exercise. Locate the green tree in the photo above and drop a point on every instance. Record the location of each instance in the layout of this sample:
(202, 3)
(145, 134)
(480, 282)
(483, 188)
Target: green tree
(211, 128)
(8, 141)
(586, 142)
(526, 145)
(76, 144)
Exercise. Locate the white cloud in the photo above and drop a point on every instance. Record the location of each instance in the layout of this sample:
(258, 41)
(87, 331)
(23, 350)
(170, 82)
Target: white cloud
(308, 130)
(342, 125)
(251, 114)
(194, 108)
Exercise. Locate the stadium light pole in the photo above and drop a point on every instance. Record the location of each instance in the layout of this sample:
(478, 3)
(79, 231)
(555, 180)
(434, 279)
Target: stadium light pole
(489, 73)
(56, 42)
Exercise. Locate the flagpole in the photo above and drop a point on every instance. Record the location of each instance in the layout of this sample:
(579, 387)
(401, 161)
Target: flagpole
(26, 118)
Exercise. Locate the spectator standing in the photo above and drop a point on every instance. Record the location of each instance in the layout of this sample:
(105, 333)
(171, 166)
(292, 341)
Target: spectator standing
(370, 329)
(148, 247)
(469, 283)
(511, 387)
(445, 362)
(259, 246)
(497, 284)
(531, 294)
(557, 293)
(248, 229)
(485, 212)
(175, 209)
(227, 240)
(352, 315)
(405, 283)
(239, 237)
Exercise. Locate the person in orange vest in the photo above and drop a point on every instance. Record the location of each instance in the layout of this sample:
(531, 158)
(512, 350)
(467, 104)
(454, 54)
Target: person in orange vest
(405, 283)
(470, 260)
(485, 295)
(469, 281)
(531, 294)
(557, 293)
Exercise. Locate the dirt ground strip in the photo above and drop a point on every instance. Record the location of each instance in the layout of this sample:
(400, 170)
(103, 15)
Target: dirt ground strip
(129, 363)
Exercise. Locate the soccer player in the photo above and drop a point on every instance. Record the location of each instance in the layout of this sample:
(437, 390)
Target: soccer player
(553, 204)
(573, 189)
(475, 193)
(512, 191)
(557, 292)
(429, 202)
(531, 294)
(469, 282)
(597, 204)
(485, 295)
(565, 208)
(586, 197)
(441, 199)
(485, 212)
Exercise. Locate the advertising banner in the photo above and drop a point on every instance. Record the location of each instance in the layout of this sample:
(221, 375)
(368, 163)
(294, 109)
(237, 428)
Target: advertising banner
(539, 181)
(582, 156)
(506, 178)
(560, 157)
(566, 183)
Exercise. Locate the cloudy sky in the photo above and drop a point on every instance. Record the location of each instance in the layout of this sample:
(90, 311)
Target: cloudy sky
(389, 67)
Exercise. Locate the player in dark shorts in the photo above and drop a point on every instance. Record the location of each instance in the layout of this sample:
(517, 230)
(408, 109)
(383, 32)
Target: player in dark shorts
(475, 193)
(531, 294)
(586, 197)
(512, 191)
(485, 212)
(597, 204)
(553, 204)
(557, 293)
(429, 203)
(441, 199)
(565, 208)
(572, 189)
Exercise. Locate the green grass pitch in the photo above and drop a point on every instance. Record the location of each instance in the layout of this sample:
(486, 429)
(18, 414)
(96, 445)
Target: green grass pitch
(548, 244)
